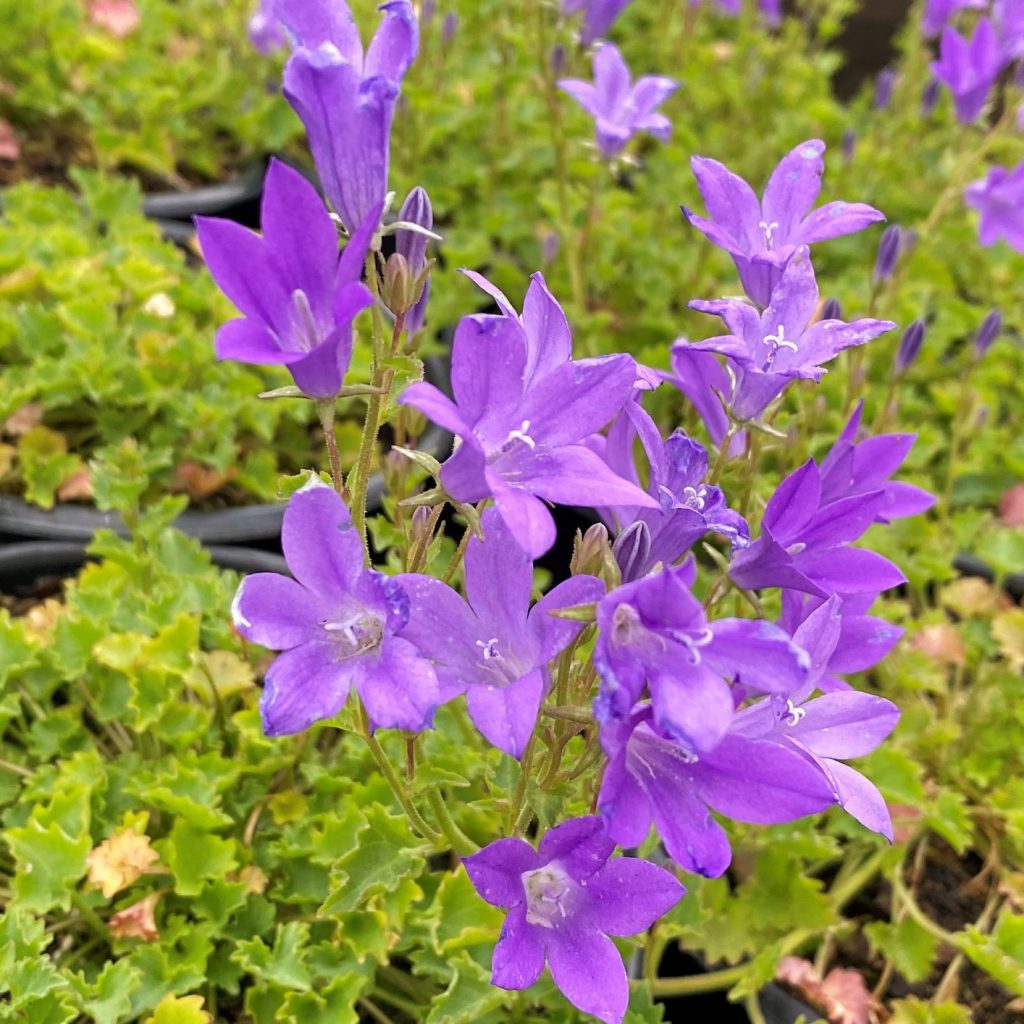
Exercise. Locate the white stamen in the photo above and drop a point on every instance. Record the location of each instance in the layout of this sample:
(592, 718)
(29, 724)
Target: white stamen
(694, 497)
(489, 649)
(793, 713)
(768, 229)
(522, 434)
(777, 341)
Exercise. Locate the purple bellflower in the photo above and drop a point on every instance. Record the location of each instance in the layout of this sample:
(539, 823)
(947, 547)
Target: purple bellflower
(688, 507)
(829, 728)
(598, 17)
(853, 468)
(522, 409)
(297, 297)
(938, 12)
(999, 198)
(265, 30)
(412, 245)
(563, 901)
(655, 632)
(768, 350)
(969, 68)
(346, 99)
(495, 648)
(804, 542)
(337, 623)
(619, 107)
(650, 778)
(761, 236)
(1008, 16)
(860, 643)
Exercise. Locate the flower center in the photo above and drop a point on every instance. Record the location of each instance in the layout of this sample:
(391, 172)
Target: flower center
(489, 649)
(307, 334)
(793, 714)
(766, 230)
(775, 342)
(693, 642)
(695, 497)
(354, 634)
(548, 891)
(522, 434)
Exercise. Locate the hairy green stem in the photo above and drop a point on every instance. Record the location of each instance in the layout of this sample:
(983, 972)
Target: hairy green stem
(460, 842)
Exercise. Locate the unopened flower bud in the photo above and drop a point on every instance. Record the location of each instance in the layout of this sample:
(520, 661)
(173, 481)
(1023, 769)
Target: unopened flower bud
(910, 347)
(632, 549)
(558, 61)
(549, 248)
(981, 417)
(398, 284)
(888, 253)
(987, 333)
(418, 527)
(831, 310)
(883, 88)
(592, 554)
(849, 143)
(930, 97)
(428, 12)
(449, 27)
(416, 209)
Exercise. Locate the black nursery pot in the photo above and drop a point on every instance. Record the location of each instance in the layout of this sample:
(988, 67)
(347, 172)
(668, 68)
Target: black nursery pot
(248, 524)
(237, 200)
(23, 564)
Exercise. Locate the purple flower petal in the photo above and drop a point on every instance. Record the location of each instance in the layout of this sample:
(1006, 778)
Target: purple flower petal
(518, 958)
(549, 340)
(580, 845)
(303, 686)
(527, 517)
(758, 653)
(860, 798)
(629, 894)
(835, 219)
(692, 704)
(395, 42)
(399, 687)
(499, 580)
(555, 634)
(842, 725)
(574, 475)
(316, 23)
(496, 871)
(730, 203)
(249, 341)
(793, 189)
(589, 971)
(275, 611)
(506, 715)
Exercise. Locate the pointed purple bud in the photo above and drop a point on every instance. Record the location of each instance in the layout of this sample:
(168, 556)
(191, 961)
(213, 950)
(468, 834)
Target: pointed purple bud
(930, 97)
(888, 253)
(449, 27)
(413, 246)
(988, 331)
(549, 248)
(910, 347)
(632, 548)
(831, 310)
(558, 60)
(428, 12)
(883, 88)
(849, 142)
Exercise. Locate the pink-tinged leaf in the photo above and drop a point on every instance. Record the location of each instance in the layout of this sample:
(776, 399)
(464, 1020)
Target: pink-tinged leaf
(119, 17)
(1011, 506)
(843, 996)
(10, 148)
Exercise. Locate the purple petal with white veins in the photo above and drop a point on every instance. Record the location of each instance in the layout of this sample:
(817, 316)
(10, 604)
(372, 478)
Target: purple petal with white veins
(506, 715)
(792, 189)
(757, 653)
(794, 301)
(518, 958)
(303, 686)
(588, 970)
(496, 871)
(842, 725)
(580, 845)
(275, 611)
(321, 547)
(398, 686)
(629, 894)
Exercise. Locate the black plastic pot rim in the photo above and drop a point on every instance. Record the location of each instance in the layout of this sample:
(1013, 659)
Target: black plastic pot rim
(206, 200)
(242, 525)
(25, 561)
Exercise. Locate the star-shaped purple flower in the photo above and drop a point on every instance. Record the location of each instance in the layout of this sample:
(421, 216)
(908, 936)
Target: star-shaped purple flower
(650, 778)
(619, 107)
(999, 198)
(598, 17)
(969, 68)
(654, 633)
(345, 98)
(563, 901)
(855, 467)
(495, 648)
(762, 235)
(298, 298)
(522, 408)
(829, 728)
(337, 623)
(805, 542)
(688, 507)
(770, 349)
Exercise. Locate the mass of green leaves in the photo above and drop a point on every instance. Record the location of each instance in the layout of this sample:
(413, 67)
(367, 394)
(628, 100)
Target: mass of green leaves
(291, 883)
